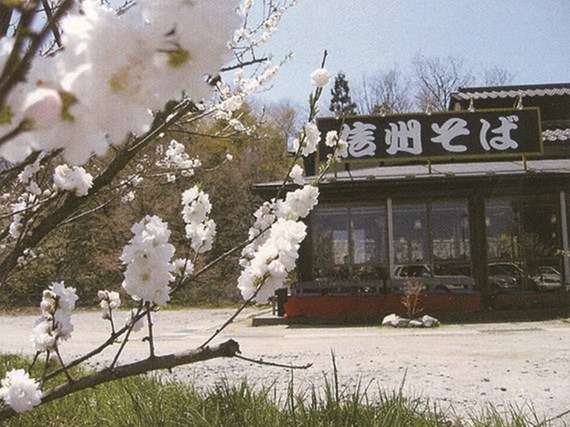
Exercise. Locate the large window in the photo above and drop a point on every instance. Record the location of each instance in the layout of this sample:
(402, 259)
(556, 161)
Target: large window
(434, 234)
(411, 243)
(450, 230)
(523, 241)
(502, 220)
(330, 242)
(349, 243)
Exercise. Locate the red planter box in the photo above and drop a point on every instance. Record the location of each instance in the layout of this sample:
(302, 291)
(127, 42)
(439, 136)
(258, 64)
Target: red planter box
(378, 305)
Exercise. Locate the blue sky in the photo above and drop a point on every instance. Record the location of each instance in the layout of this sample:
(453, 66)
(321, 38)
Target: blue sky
(528, 38)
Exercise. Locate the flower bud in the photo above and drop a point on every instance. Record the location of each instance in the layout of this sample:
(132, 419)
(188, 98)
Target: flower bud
(42, 108)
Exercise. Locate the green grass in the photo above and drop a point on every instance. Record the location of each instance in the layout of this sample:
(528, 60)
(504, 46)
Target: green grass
(151, 401)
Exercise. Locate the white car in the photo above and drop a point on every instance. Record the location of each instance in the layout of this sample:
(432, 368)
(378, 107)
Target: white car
(424, 274)
(548, 279)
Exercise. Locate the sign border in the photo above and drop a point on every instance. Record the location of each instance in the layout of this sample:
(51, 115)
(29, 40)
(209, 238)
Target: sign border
(436, 159)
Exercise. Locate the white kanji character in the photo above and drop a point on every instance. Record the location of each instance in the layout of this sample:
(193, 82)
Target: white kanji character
(405, 136)
(450, 130)
(503, 140)
(360, 139)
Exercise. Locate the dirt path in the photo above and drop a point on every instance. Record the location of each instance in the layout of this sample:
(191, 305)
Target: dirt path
(457, 366)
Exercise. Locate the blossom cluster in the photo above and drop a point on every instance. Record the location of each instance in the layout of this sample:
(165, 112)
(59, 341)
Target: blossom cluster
(320, 77)
(175, 157)
(339, 145)
(27, 201)
(309, 139)
(147, 256)
(108, 301)
(18, 209)
(276, 236)
(20, 391)
(73, 178)
(90, 95)
(297, 175)
(54, 324)
(200, 229)
(28, 174)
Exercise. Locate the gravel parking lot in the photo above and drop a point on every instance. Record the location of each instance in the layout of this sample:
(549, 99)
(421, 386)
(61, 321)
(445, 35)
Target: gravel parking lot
(460, 366)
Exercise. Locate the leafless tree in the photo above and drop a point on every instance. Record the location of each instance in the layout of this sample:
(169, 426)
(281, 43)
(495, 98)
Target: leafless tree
(497, 76)
(283, 116)
(428, 88)
(437, 78)
(386, 93)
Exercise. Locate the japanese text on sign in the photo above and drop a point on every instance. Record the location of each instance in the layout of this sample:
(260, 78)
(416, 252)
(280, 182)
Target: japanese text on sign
(452, 134)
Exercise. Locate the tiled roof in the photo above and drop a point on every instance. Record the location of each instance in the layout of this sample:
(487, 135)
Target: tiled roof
(422, 171)
(517, 167)
(552, 135)
(494, 93)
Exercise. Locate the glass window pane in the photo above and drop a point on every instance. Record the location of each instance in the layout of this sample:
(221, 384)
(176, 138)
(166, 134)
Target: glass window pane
(450, 230)
(330, 236)
(541, 229)
(501, 218)
(410, 233)
(541, 243)
(369, 235)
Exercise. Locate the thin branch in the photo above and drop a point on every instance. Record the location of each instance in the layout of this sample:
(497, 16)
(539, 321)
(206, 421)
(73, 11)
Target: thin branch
(110, 341)
(230, 319)
(557, 417)
(150, 333)
(23, 126)
(11, 75)
(279, 365)
(88, 212)
(244, 64)
(52, 23)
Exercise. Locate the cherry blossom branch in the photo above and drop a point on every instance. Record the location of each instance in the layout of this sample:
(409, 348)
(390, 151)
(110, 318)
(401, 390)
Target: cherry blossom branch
(229, 348)
(14, 72)
(150, 337)
(230, 320)
(313, 111)
(72, 203)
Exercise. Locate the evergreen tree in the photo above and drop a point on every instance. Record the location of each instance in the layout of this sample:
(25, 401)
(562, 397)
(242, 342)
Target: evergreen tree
(341, 102)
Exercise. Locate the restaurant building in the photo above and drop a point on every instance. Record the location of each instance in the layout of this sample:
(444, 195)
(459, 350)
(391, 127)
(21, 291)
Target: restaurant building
(473, 203)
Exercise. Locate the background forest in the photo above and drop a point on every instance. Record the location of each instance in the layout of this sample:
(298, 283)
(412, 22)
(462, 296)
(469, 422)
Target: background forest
(85, 251)
(230, 160)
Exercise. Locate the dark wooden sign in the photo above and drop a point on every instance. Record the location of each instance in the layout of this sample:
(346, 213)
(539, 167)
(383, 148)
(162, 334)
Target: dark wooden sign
(452, 134)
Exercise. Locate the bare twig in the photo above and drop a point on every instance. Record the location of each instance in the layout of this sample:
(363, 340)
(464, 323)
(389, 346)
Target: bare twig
(230, 319)
(52, 23)
(557, 417)
(279, 365)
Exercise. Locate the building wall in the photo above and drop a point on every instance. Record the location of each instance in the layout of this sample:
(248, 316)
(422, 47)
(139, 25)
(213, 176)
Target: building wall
(508, 234)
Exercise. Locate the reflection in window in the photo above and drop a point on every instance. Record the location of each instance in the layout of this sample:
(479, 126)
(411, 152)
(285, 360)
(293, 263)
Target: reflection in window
(349, 243)
(435, 235)
(368, 235)
(450, 230)
(541, 240)
(524, 234)
(501, 218)
(330, 237)
(541, 236)
(410, 233)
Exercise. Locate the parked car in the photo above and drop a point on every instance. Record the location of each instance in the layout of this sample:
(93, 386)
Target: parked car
(424, 274)
(508, 276)
(547, 279)
(504, 277)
